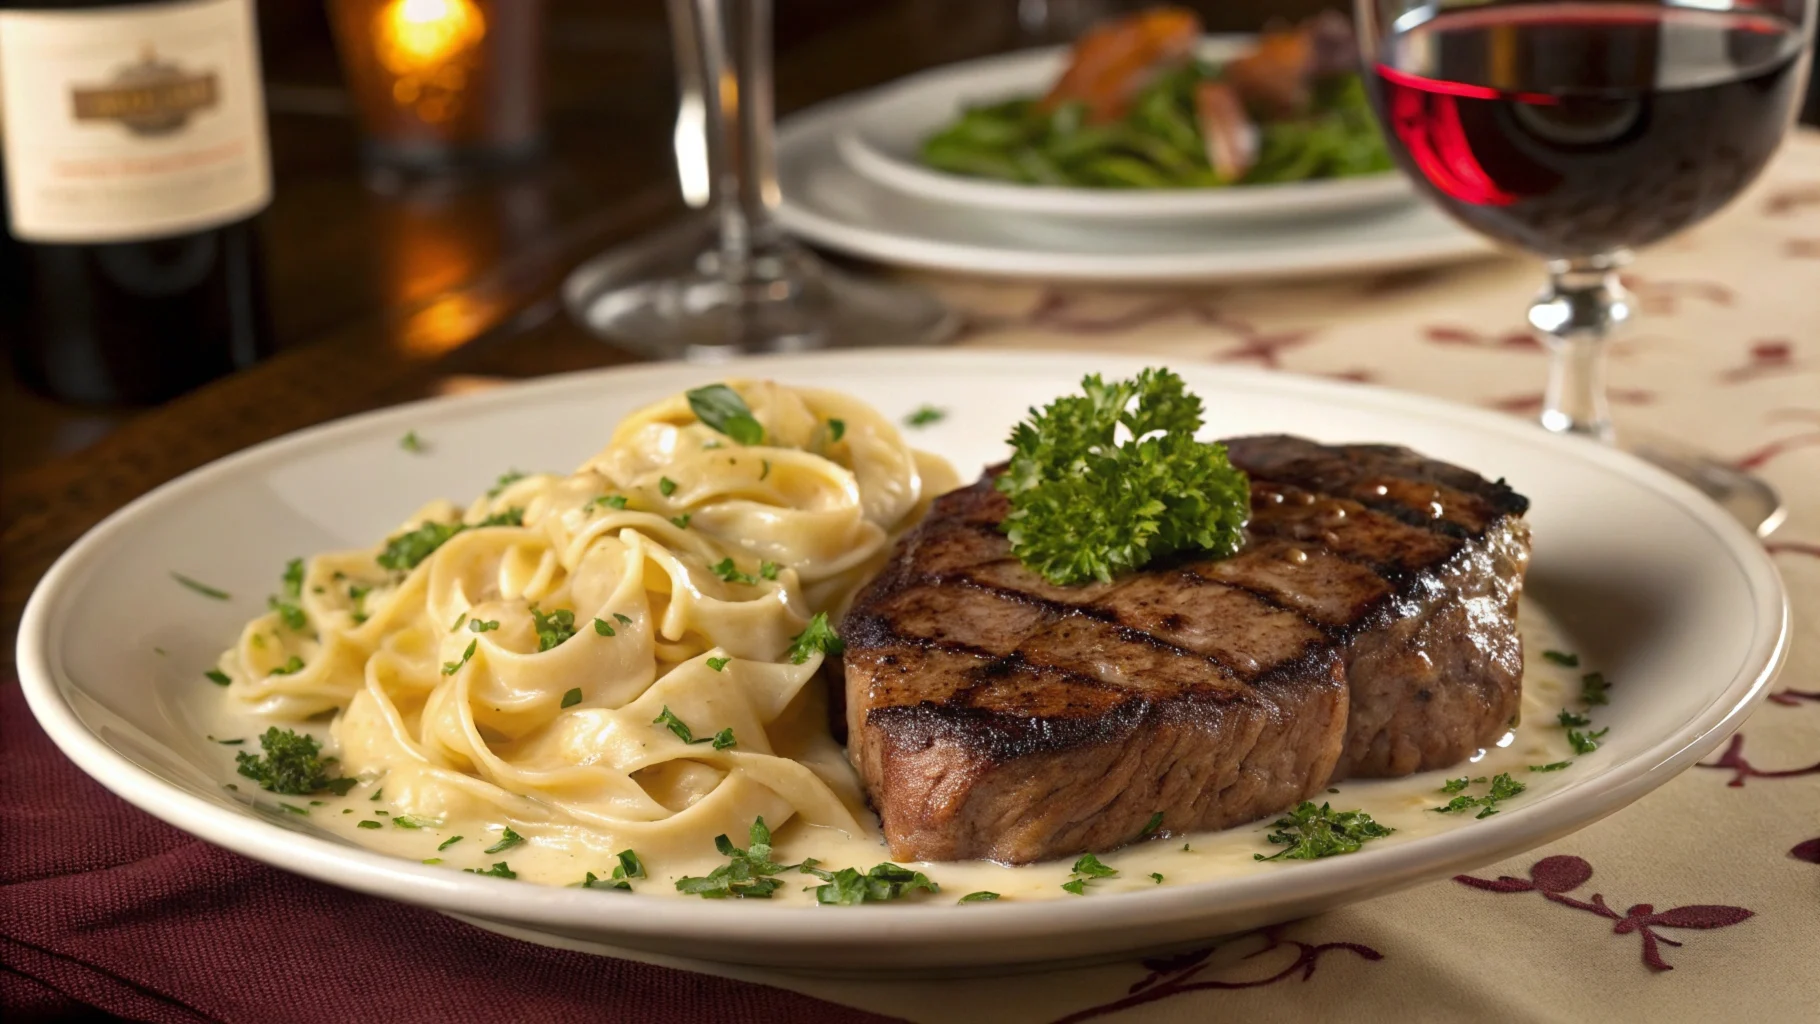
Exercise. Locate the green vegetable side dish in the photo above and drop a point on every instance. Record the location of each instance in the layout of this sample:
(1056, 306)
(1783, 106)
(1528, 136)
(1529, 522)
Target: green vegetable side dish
(1159, 143)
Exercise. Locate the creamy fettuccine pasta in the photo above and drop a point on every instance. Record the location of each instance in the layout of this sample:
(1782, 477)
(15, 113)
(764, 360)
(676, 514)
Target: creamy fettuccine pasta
(537, 659)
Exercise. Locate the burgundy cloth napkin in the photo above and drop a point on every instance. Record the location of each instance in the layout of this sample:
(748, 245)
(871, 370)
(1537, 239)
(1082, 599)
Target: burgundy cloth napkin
(104, 908)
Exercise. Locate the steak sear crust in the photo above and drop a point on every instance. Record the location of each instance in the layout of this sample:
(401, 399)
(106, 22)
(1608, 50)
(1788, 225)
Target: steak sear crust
(1368, 627)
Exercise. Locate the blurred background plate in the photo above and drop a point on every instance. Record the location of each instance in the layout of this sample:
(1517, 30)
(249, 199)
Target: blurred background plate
(827, 203)
(888, 125)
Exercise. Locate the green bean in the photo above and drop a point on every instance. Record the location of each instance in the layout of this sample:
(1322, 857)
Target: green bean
(1158, 144)
(1116, 171)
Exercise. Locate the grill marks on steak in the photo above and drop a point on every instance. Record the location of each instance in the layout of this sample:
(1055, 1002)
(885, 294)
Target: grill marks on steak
(1368, 627)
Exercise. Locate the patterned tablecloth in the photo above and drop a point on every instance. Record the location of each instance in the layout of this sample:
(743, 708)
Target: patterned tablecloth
(1699, 902)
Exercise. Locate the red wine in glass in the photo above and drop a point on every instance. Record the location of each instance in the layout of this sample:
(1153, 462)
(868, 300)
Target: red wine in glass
(1578, 129)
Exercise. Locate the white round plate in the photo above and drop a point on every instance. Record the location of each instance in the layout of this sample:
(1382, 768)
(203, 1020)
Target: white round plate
(888, 126)
(826, 202)
(1652, 582)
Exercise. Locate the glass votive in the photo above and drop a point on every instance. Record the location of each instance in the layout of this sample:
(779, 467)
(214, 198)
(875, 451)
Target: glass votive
(444, 83)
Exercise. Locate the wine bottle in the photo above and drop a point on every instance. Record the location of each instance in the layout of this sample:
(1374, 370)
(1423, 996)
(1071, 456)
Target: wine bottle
(135, 167)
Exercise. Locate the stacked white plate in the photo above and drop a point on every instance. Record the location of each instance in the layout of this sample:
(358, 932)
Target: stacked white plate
(852, 182)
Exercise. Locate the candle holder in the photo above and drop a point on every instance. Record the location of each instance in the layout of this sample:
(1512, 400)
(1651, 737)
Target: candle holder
(444, 83)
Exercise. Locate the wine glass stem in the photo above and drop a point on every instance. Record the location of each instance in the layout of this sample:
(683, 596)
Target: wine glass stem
(733, 39)
(1579, 308)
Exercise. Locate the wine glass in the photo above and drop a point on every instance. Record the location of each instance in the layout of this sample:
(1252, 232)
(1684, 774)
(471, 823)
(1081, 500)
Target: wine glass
(736, 283)
(1579, 131)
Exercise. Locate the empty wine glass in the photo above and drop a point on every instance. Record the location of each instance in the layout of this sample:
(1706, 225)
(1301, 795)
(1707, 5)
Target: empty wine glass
(1578, 131)
(737, 283)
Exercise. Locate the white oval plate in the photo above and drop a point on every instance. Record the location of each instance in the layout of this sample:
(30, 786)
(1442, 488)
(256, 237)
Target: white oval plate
(889, 124)
(1651, 581)
(826, 202)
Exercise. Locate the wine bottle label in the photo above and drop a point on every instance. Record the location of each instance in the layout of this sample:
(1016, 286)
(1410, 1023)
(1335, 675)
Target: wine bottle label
(125, 123)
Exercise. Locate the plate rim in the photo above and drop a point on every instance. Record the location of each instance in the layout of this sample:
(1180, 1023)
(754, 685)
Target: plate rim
(710, 923)
(1337, 253)
(865, 155)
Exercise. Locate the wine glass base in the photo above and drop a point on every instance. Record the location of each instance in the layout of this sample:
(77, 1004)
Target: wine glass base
(1748, 498)
(663, 297)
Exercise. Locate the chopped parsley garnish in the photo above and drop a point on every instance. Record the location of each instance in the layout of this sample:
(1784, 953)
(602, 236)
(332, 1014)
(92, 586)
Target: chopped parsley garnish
(718, 663)
(720, 408)
(449, 668)
(292, 665)
(1084, 507)
(836, 430)
(767, 570)
(1503, 787)
(680, 522)
(357, 596)
(431, 860)
(624, 620)
(925, 415)
(513, 516)
(1563, 658)
(290, 614)
(1311, 832)
(498, 870)
(292, 764)
(1156, 877)
(726, 570)
(218, 677)
(554, 628)
(1571, 719)
(1086, 869)
(767, 469)
(451, 841)
(410, 442)
(369, 823)
(817, 636)
(847, 887)
(1553, 766)
(1151, 826)
(666, 486)
(573, 697)
(477, 626)
(629, 867)
(404, 551)
(287, 607)
(667, 718)
(617, 502)
(294, 809)
(1459, 785)
(1593, 687)
(413, 821)
(507, 840)
(1585, 742)
(983, 896)
(746, 875)
(506, 479)
(604, 628)
(202, 588)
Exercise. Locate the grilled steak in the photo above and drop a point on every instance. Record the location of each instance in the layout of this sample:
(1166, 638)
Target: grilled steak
(1368, 627)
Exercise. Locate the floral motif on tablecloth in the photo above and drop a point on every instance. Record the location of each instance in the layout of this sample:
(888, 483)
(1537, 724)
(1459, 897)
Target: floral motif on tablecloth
(1742, 769)
(1808, 851)
(1171, 976)
(1556, 876)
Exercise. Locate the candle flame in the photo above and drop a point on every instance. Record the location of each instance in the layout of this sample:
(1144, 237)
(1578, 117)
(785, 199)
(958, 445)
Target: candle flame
(412, 35)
